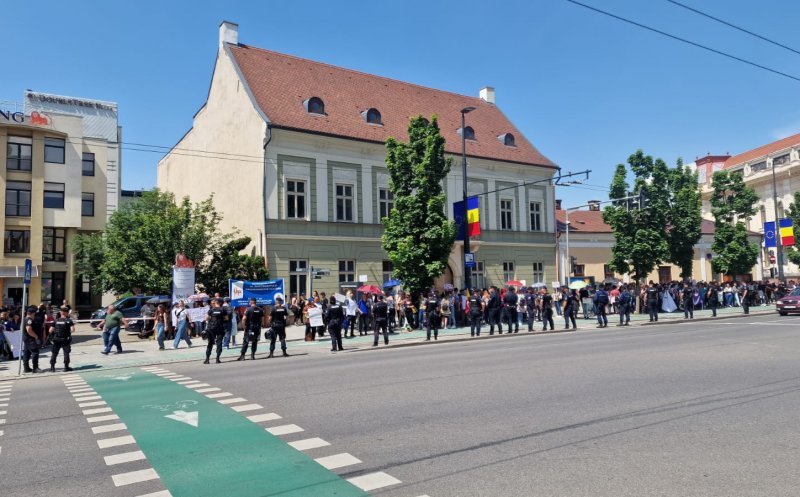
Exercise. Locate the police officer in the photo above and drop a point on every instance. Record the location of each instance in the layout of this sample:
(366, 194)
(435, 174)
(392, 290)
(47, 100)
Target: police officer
(432, 315)
(277, 322)
(476, 308)
(33, 340)
(380, 311)
(652, 302)
(625, 300)
(61, 333)
(251, 324)
(747, 297)
(547, 311)
(217, 319)
(688, 304)
(530, 306)
(713, 298)
(493, 311)
(335, 315)
(571, 309)
(510, 300)
(600, 302)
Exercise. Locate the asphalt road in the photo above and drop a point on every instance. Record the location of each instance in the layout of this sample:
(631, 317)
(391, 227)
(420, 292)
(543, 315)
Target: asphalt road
(703, 409)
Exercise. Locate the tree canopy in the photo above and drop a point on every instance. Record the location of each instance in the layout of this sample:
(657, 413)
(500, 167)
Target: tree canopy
(418, 236)
(793, 212)
(732, 204)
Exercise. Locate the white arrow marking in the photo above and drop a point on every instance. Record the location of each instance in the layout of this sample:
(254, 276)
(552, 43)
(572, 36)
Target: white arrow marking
(190, 418)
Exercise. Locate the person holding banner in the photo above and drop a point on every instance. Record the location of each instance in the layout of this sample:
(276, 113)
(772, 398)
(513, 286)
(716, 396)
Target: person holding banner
(251, 324)
(277, 322)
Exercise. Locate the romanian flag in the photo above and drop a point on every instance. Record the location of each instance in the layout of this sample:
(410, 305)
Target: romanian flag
(786, 232)
(474, 217)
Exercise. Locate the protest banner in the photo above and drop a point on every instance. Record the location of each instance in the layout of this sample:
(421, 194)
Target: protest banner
(263, 291)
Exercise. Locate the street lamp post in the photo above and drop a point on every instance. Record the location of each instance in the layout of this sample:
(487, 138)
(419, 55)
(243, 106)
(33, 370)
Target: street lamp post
(467, 270)
(777, 232)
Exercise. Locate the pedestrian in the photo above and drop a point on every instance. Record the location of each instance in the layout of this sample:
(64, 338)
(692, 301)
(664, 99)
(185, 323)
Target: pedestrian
(601, 302)
(251, 326)
(585, 301)
(571, 305)
(111, 328)
(713, 298)
(33, 340)
(547, 311)
(217, 320)
(180, 319)
(230, 329)
(493, 310)
(335, 315)
(432, 313)
(476, 308)
(390, 302)
(625, 300)
(652, 302)
(277, 323)
(160, 320)
(686, 296)
(445, 306)
(381, 313)
(61, 333)
(510, 306)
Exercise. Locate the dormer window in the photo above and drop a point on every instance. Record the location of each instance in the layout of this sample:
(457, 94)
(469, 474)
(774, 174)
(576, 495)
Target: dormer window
(315, 105)
(372, 116)
(507, 139)
(468, 133)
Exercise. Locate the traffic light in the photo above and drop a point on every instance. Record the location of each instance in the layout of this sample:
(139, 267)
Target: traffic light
(642, 199)
(573, 261)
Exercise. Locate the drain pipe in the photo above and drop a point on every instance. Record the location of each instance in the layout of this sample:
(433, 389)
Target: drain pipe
(267, 140)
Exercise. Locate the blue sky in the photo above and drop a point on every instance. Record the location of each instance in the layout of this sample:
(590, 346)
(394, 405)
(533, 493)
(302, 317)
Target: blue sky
(587, 90)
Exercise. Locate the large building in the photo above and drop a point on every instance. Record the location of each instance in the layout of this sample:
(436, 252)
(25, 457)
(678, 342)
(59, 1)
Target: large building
(591, 241)
(293, 151)
(757, 166)
(61, 176)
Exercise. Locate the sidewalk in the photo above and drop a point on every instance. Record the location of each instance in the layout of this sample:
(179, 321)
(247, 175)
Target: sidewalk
(86, 354)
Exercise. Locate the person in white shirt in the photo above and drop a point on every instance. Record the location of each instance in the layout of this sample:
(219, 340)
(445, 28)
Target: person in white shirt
(352, 311)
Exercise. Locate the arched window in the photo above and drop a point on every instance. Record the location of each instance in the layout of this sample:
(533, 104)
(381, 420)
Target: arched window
(468, 132)
(315, 105)
(372, 116)
(508, 140)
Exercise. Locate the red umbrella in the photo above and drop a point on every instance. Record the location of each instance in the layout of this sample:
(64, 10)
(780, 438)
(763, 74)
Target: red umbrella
(370, 289)
(514, 283)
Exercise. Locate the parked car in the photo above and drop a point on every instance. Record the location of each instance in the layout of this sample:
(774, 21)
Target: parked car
(789, 303)
(130, 307)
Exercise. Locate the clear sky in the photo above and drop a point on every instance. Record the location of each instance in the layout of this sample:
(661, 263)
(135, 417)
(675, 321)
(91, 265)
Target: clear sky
(587, 90)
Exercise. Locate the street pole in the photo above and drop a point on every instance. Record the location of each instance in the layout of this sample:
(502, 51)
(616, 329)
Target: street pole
(26, 280)
(777, 233)
(567, 264)
(467, 270)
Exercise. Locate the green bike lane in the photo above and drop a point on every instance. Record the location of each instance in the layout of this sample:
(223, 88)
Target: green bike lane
(224, 454)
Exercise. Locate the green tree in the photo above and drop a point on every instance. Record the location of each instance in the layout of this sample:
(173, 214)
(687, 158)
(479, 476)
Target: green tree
(685, 218)
(229, 263)
(418, 236)
(138, 247)
(732, 203)
(793, 212)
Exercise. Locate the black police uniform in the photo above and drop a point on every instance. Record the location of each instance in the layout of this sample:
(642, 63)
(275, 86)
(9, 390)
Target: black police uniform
(688, 303)
(475, 315)
(510, 300)
(380, 311)
(432, 314)
(530, 305)
(570, 310)
(713, 299)
(255, 316)
(335, 316)
(62, 340)
(32, 344)
(493, 311)
(652, 303)
(547, 312)
(218, 317)
(277, 321)
(625, 308)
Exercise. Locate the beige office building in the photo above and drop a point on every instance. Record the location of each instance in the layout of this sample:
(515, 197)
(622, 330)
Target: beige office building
(61, 176)
(293, 151)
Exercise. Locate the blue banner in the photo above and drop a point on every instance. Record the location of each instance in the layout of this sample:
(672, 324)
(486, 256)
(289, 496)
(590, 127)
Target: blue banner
(263, 291)
(460, 218)
(769, 234)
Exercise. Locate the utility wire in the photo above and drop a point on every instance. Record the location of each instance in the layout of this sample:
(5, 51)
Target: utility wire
(743, 30)
(684, 40)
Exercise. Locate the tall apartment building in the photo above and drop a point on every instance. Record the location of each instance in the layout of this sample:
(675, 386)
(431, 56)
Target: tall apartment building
(293, 151)
(61, 176)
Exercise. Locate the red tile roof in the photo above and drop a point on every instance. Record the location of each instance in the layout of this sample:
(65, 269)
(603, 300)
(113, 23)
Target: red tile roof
(592, 222)
(763, 150)
(281, 83)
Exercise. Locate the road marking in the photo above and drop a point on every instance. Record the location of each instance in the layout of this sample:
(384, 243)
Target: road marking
(108, 428)
(92, 404)
(134, 477)
(373, 480)
(284, 429)
(3, 405)
(259, 418)
(163, 493)
(136, 455)
(98, 419)
(1, 433)
(188, 382)
(199, 385)
(90, 397)
(4, 399)
(167, 375)
(180, 378)
(205, 390)
(309, 443)
(3, 412)
(248, 407)
(191, 418)
(99, 410)
(2, 421)
(218, 395)
(115, 442)
(78, 391)
(338, 460)
(234, 400)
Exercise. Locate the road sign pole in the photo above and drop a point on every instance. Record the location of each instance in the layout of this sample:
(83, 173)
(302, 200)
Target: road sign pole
(26, 280)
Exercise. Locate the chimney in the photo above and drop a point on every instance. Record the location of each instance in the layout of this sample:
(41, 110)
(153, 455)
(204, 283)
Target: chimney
(558, 204)
(487, 94)
(228, 33)
(594, 205)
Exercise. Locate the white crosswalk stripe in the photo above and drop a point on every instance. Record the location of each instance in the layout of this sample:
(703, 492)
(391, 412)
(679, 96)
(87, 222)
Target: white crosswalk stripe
(136, 455)
(284, 429)
(248, 407)
(309, 443)
(260, 418)
(372, 481)
(115, 442)
(108, 428)
(134, 477)
(338, 460)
